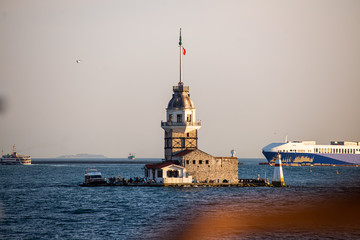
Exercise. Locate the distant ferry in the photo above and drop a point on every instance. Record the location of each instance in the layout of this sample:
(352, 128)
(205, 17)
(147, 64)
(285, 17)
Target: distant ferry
(14, 158)
(299, 153)
(131, 156)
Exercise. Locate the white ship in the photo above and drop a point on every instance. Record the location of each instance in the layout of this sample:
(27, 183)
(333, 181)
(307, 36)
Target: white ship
(309, 153)
(15, 158)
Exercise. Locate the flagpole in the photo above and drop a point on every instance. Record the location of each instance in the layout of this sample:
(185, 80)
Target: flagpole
(180, 47)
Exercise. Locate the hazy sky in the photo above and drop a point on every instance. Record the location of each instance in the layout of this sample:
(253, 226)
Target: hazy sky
(257, 71)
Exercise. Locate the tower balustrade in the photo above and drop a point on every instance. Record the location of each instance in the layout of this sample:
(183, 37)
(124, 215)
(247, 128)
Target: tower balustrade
(165, 124)
(181, 88)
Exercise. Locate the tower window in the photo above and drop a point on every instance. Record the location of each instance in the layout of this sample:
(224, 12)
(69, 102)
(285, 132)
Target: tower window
(188, 134)
(194, 162)
(200, 161)
(187, 162)
(179, 118)
(170, 117)
(188, 119)
(207, 161)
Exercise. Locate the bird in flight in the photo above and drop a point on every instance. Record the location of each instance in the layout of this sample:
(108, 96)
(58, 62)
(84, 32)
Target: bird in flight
(78, 61)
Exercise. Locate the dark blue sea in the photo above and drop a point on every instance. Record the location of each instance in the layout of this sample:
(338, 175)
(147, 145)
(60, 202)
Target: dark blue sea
(44, 201)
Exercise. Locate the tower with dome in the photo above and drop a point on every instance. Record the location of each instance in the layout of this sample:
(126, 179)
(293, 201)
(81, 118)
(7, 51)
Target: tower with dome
(181, 142)
(181, 126)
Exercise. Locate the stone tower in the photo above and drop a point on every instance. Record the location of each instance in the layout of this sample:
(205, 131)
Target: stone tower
(181, 127)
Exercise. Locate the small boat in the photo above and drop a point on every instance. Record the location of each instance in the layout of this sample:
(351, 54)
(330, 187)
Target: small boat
(93, 178)
(15, 159)
(131, 156)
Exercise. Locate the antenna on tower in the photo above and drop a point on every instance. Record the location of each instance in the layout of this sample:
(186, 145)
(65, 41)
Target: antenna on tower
(180, 46)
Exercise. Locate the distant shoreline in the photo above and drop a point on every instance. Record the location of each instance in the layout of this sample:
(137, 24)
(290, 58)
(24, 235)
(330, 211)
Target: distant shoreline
(93, 161)
(82, 155)
(110, 160)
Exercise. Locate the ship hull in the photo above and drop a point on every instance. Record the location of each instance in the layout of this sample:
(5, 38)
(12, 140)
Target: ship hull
(288, 158)
(15, 161)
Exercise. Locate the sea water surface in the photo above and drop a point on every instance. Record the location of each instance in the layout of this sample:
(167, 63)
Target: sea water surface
(44, 201)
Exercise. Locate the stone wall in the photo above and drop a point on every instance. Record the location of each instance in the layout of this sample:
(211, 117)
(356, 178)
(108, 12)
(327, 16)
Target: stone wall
(178, 142)
(205, 167)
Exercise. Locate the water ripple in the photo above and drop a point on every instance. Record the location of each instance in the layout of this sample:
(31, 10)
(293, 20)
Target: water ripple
(45, 202)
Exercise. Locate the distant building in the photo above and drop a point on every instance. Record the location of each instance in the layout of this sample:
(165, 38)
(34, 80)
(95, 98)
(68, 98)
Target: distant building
(181, 140)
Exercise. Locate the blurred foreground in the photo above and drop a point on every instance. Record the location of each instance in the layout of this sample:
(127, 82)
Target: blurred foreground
(331, 216)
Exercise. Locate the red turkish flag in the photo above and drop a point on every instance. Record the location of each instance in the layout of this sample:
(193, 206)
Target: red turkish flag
(184, 51)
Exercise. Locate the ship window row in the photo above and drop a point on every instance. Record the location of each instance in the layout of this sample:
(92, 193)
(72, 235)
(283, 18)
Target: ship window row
(326, 150)
(336, 150)
(298, 150)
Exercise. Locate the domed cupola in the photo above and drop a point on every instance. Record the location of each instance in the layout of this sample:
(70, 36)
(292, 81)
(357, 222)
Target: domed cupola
(181, 111)
(181, 99)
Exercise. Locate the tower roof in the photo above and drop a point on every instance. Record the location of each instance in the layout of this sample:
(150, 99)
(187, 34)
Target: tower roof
(181, 98)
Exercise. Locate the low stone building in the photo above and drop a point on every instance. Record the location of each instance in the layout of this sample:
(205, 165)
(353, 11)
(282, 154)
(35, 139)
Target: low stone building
(204, 167)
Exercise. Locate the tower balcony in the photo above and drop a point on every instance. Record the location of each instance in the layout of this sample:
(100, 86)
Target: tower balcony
(183, 127)
(181, 88)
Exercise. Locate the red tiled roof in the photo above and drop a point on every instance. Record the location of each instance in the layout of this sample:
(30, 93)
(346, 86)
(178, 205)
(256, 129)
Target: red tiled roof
(161, 165)
(180, 154)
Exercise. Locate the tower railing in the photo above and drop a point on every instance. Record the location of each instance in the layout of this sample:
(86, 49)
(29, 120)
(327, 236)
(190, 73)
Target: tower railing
(180, 123)
(181, 88)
